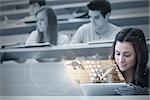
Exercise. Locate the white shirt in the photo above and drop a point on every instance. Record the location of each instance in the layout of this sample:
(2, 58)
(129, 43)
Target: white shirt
(33, 38)
(85, 34)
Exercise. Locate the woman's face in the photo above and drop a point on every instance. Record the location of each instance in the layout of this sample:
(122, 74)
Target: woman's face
(42, 21)
(125, 56)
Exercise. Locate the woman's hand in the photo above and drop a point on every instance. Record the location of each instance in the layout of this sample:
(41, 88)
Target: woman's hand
(131, 89)
(125, 90)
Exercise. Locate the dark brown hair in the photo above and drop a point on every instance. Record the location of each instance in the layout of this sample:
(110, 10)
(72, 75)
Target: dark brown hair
(136, 37)
(40, 2)
(101, 5)
(52, 24)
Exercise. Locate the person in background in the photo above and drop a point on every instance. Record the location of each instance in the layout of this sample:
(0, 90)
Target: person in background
(34, 5)
(130, 53)
(99, 27)
(47, 32)
(47, 29)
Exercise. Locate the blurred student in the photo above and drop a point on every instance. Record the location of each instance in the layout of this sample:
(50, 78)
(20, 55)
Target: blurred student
(34, 5)
(47, 29)
(130, 53)
(99, 27)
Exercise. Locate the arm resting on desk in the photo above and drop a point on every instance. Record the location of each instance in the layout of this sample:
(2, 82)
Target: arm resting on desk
(131, 89)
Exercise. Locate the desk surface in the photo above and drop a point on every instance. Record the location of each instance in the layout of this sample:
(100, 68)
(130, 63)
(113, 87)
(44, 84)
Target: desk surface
(39, 79)
(66, 51)
(76, 97)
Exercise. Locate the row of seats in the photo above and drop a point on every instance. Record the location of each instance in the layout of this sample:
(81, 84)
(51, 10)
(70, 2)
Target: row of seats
(64, 8)
(124, 13)
(72, 24)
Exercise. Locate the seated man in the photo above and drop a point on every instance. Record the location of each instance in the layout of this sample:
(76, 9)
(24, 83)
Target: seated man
(99, 27)
(34, 5)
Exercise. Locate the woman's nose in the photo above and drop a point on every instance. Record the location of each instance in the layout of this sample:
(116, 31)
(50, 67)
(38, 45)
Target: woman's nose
(121, 59)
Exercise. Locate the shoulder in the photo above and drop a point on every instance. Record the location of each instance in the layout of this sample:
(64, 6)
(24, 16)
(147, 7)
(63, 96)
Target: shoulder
(87, 25)
(62, 36)
(146, 77)
(62, 39)
(34, 32)
(114, 29)
(85, 28)
(147, 70)
(32, 38)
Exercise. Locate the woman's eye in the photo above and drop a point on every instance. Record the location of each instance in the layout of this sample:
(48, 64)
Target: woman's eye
(127, 55)
(117, 53)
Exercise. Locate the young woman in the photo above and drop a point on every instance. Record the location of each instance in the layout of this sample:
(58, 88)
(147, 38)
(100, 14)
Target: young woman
(130, 53)
(47, 29)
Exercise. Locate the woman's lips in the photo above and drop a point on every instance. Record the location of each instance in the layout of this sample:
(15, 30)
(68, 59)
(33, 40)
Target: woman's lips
(123, 65)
